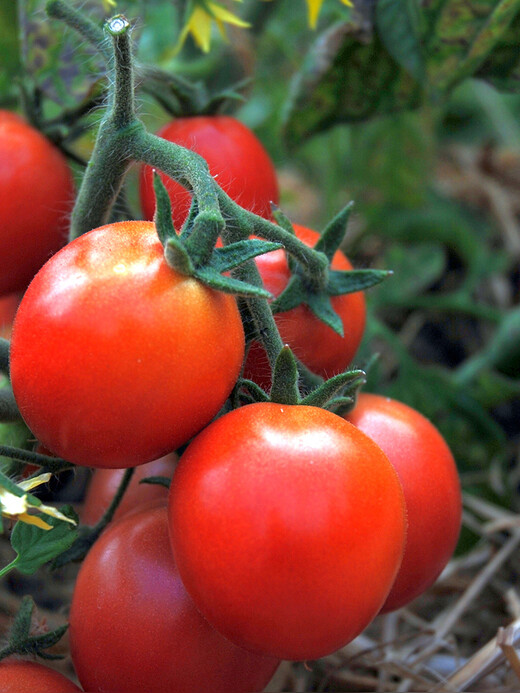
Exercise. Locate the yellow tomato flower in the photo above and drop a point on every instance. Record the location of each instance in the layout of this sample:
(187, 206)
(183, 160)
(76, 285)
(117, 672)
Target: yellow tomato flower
(109, 5)
(17, 507)
(200, 21)
(314, 7)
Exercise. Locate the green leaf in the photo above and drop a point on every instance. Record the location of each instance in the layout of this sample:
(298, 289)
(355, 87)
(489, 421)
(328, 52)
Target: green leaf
(237, 253)
(399, 24)
(36, 546)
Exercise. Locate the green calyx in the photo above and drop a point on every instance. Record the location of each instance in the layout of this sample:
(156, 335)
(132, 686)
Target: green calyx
(192, 252)
(338, 394)
(303, 289)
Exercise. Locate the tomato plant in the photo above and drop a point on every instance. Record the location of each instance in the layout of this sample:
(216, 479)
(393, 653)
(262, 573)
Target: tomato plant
(112, 349)
(105, 482)
(288, 528)
(37, 193)
(134, 628)
(431, 488)
(316, 344)
(236, 158)
(24, 676)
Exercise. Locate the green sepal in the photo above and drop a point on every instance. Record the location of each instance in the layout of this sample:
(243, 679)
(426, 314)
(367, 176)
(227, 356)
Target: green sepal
(341, 405)
(177, 257)
(20, 639)
(349, 281)
(292, 296)
(257, 394)
(284, 389)
(163, 211)
(320, 305)
(210, 277)
(281, 219)
(330, 389)
(334, 233)
(224, 259)
(157, 481)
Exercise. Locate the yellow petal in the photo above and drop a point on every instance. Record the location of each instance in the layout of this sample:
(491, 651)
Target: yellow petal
(314, 10)
(224, 15)
(29, 484)
(347, 3)
(54, 512)
(200, 28)
(34, 520)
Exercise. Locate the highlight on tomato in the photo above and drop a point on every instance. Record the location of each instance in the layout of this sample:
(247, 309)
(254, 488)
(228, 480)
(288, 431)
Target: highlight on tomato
(105, 482)
(37, 194)
(316, 344)
(133, 627)
(235, 156)
(288, 527)
(431, 487)
(112, 350)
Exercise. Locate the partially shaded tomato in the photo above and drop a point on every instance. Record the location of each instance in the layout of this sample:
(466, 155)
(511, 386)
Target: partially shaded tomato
(133, 628)
(36, 198)
(431, 488)
(112, 350)
(288, 528)
(105, 482)
(23, 676)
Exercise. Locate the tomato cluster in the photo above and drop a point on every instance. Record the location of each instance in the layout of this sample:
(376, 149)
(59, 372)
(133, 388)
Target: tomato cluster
(287, 527)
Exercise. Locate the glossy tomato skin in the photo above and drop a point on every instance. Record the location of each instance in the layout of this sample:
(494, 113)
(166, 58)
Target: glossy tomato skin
(23, 676)
(105, 482)
(431, 488)
(133, 628)
(321, 349)
(36, 198)
(236, 158)
(112, 350)
(288, 528)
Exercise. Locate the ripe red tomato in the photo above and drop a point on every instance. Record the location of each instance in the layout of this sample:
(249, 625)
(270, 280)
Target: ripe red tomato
(235, 157)
(23, 676)
(112, 350)
(288, 528)
(431, 488)
(134, 628)
(105, 482)
(321, 349)
(36, 198)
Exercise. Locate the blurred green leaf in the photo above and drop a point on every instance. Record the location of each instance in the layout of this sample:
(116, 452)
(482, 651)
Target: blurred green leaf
(10, 62)
(400, 25)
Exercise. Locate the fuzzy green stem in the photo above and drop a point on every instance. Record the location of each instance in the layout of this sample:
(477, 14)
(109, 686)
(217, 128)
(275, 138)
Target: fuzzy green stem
(8, 408)
(58, 9)
(4, 355)
(54, 465)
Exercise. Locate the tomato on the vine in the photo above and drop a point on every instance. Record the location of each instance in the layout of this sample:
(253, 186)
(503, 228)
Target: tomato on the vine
(316, 344)
(112, 350)
(105, 482)
(133, 628)
(288, 527)
(430, 484)
(36, 194)
(24, 676)
(235, 156)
